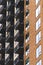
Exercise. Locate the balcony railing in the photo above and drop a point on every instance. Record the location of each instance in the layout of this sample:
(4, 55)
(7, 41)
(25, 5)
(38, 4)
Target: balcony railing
(7, 58)
(16, 34)
(16, 22)
(16, 58)
(7, 46)
(16, 46)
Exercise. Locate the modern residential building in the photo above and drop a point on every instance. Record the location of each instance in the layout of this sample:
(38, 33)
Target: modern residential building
(21, 32)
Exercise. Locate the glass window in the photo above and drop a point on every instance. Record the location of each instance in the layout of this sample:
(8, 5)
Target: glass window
(39, 63)
(27, 50)
(27, 12)
(27, 2)
(27, 25)
(38, 11)
(27, 61)
(38, 51)
(38, 37)
(38, 24)
(27, 37)
(37, 1)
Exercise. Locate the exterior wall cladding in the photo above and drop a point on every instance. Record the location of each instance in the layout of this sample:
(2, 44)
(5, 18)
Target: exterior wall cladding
(21, 32)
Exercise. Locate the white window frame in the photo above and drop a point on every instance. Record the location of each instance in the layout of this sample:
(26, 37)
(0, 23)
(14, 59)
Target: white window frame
(37, 1)
(38, 24)
(38, 51)
(38, 11)
(38, 37)
(39, 62)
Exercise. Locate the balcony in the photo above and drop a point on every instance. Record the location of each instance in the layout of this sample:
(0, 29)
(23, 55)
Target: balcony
(16, 34)
(1, 17)
(1, 8)
(7, 58)
(16, 58)
(8, 25)
(7, 35)
(16, 46)
(16, 2)
(0, 46)
(8, 5)
(0, 57)
(0, 36)
(17, 11)
(7, 46)
(1, 26)
(16, 22)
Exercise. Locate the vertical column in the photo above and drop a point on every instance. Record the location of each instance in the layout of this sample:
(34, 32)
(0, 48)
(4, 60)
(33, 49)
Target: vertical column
(2, 30)
(9, 43)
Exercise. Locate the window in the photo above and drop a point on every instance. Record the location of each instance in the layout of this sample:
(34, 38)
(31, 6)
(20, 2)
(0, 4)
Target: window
(27, 12)
(38, 51)
(27, 25)
(38, 24)
(39, 63)
(27, 50)
(38, 11)
(27, 2)
(27, 61)
(27, 37)
(38, 37)
(37, 1)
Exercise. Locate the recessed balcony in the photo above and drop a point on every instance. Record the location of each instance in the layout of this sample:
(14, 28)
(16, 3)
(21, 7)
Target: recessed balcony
(0, 36)
(0, 57)
(7, 47)
(0, 46)
(16, 46)
(16, 22)
(8, 5)
(17, 11)
(1, 8)
(16, 2)
(1, 26)
(7, 35)
(1, 17)
(8, 25)
(7, 58)
(16, 58)
(16, 34)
